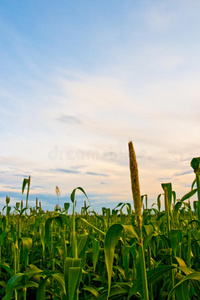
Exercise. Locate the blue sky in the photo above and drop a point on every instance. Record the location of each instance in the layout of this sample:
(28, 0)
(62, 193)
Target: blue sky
(79, 79)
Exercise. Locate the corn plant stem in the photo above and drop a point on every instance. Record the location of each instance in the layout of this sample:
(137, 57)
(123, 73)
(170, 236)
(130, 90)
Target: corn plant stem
(28, 192)
(64, 243)
(16, 296)
(143, 271)
(189, 250)
(149, 267)
(52, 245)
(25, 293)
(167, 213)
(15, 265)
(74, 241)
(198, 193)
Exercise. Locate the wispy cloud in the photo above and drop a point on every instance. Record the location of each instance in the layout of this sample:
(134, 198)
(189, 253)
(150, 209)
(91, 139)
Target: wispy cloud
(66, 171)
(183, 173)
(97, 174)
(68, 119)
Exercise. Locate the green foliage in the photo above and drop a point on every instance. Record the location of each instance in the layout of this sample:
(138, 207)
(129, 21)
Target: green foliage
(59, 256)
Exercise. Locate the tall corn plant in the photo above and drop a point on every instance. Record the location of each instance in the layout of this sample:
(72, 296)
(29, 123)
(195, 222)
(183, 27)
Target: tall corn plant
(26, 181)
(135, 186)
(74, 238)
(195, 164)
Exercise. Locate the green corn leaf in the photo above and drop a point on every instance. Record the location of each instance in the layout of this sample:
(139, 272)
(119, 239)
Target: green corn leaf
(116, 293)
(29, 284)
(70, 263)
(59, 278)
(74, 278)
(47, 230)
(26, 246)
(148, 238)
(32, 271)
(7, 268)
(168, 186)
(193, 183)
(195, 205)
(128, 207)
(192, 276)
(177, 206)
(130, 231)
(23, 210)
(112, 236)
(95, 251)
(59, 220)
(64, 220)
(148, 229)
(152, 276)
(92, 290)
(66, 206)
(41, 290)
(74, 191)
(3, 284)
(188, 195)
(159, 202)
(94, 227)
(174, 196)
(182, 292)
(11, 284)
(195, 164)
(25, 182)
(125, 256)
(173, 239)
(118, 205)
(2, 237)
(81, 242)
(180, 261)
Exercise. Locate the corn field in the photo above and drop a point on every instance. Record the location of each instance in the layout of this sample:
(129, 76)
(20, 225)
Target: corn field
(129, 252)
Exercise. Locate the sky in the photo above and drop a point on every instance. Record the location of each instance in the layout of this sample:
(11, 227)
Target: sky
(79, 79)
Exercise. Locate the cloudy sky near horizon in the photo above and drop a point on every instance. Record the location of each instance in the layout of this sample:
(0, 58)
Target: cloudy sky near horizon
(79, 79)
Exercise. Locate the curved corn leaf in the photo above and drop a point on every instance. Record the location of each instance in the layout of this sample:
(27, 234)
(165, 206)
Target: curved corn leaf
(148, 238)
(191, 276)
(25, 182)
(59, 278)
(195, 164)
(7, 268)
(74, 191)
(193, 183)
(112, 236)
(174, 196)
(32, 271)
(152, 276)
(94, 227)
(12, 282)
(41, 290)
(188, 195)
(92, 290)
